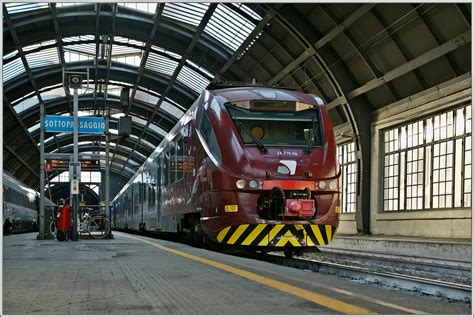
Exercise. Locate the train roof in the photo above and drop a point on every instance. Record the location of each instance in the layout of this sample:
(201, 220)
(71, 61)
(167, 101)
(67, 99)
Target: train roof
(238, 93)
(11, 182)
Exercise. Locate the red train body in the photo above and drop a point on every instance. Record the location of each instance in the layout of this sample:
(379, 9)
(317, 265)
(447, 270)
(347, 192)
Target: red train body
(250, 167)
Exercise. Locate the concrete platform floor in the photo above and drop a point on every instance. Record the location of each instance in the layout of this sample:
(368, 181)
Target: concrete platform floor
(435, 248)
(137, 275)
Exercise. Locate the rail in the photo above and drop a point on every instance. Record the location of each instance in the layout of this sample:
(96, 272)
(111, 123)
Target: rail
(453, 291)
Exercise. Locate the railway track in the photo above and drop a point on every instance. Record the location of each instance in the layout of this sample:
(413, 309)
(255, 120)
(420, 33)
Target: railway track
(443, 289)
(416, 284)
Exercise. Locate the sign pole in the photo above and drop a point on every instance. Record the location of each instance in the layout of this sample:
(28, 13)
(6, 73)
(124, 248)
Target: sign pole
(42, 223)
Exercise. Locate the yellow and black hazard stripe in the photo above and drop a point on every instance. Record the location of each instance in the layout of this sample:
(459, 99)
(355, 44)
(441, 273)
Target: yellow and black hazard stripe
(276, 235)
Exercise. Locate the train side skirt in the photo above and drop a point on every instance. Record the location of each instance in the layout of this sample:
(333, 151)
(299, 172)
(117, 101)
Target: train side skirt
(277, 235)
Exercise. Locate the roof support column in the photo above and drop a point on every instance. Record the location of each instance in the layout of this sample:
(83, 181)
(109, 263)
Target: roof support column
(42, 224)
(363, 142)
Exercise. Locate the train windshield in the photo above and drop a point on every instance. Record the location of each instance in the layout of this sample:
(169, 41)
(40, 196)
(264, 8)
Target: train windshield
(277, 123)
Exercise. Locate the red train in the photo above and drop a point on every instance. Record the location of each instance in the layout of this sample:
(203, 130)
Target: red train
(251, 167)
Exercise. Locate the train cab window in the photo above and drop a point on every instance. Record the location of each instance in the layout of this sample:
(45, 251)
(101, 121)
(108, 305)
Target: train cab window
(277, 123)
(209, 135)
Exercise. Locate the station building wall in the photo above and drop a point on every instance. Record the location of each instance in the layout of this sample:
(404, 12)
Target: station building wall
(421, 166)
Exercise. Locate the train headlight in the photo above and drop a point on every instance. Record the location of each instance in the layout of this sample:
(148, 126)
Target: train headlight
(240, 183)
(332, 185)
(323, 185)
(255, 184)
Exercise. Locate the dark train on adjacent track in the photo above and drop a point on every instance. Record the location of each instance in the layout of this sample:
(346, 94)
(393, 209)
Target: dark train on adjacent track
(251, 167)
(20, 206)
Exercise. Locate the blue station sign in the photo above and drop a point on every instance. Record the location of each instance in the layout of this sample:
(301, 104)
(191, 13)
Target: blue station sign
(92, 125)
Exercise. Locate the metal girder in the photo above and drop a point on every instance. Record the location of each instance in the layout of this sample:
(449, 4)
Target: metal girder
(59, 43)
(18, 157)
(310, 51)
(57, 106)
(121, 151)
(421, 60)
(438, 40)
(20, 122)
(119, 71)
(258, 28)
(141, 69)
(199, 30)
(393, 35)
(146, 52)
(65, 142)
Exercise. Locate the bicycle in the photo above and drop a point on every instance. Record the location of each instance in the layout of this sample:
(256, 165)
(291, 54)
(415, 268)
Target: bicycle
(98, 227)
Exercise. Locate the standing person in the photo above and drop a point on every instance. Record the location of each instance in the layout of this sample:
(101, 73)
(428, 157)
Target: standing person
(64, 222)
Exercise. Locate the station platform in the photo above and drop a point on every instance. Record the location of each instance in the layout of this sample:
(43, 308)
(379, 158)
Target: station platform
(139, 275)
(454, 250)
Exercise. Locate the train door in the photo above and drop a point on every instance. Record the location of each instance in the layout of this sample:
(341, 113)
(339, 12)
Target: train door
(159, 182)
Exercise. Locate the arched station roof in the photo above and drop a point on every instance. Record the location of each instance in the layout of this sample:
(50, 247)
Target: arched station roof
(360, 58)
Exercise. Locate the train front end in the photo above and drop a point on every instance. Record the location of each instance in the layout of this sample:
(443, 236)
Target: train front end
(275, 185)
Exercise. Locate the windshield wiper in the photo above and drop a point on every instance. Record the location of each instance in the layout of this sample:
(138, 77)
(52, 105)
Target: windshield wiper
(239, 125)
(312, 136)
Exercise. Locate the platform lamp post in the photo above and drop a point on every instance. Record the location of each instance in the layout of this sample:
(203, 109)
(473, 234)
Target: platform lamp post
(124, 130)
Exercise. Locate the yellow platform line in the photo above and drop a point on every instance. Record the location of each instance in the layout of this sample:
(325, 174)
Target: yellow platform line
(319, 299)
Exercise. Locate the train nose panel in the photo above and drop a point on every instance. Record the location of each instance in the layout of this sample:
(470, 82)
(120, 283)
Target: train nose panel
(276, 235)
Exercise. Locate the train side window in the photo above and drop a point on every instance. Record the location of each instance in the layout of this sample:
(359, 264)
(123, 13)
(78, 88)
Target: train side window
(173, 163)
(179, 159)
(209, 135)
(166, 169)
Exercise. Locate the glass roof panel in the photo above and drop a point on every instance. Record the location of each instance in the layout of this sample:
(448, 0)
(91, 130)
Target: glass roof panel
(70, 56)
(146, 97)
(122, 50)
(126, 40)
(172, 109)
(13, 69)
(160, 64)
(80, 38)
(141, 6)
(228, 27)
(26, 104)
(114, 90)
(194, 80)
(69, 4)
(9, 55)
(129, 60)
(53, 93)
(157, 129)
(190, 13)
(84, 48)
(34, 128)
(142, 141)
(247, 10)
(37, 45)
(165, 51)
(13, 8)
(42, 58)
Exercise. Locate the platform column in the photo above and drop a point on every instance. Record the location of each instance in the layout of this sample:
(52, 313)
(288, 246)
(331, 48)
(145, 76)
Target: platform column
(107, 162)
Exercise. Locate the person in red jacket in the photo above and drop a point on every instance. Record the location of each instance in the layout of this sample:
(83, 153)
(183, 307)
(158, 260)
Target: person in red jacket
(63, 224)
